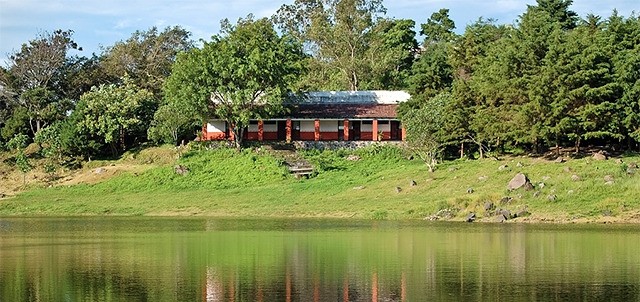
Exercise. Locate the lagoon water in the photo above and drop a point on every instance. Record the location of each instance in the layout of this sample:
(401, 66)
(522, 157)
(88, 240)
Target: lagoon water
(212, 259)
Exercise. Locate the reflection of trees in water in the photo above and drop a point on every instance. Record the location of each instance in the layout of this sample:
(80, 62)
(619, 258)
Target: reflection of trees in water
(396, 265)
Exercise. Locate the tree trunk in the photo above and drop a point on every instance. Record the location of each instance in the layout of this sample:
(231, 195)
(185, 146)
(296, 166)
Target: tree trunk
(578, 145)
(122, 139)
(462, 150)
(238, 133)
(481, 151)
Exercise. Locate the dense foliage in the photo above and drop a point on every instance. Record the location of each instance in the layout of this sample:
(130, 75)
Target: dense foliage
(551, 80)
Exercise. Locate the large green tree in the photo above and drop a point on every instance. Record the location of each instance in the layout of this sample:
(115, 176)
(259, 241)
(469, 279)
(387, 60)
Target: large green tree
(113, 111)
(244, 73)
(33, 68)
(146, 57)
(338, 34)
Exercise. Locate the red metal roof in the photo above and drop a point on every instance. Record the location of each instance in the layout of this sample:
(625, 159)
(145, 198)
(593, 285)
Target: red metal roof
(342, 111)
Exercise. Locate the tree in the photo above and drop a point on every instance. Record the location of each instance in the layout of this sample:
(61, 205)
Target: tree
(432, 73)
(338, 34)
(439, 28)
(33, 67)
(244, 73)
(18, 143)
(392, 53)
(113, 111)
(38, 60)
(146, 57)
(559, 12)
(424, 128)
(169, 122)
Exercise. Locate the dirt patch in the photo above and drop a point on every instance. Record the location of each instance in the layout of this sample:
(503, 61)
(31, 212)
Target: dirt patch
(99, 174)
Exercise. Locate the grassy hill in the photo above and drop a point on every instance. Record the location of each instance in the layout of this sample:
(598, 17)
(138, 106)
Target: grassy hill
(373, 183)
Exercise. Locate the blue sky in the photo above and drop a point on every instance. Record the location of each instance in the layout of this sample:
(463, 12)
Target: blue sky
(102, 23)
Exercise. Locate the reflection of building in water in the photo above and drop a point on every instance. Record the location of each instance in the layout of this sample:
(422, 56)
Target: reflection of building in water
(214, 290)
(306, 286)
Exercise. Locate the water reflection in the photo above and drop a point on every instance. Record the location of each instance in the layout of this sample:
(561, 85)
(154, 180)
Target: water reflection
(158, 259)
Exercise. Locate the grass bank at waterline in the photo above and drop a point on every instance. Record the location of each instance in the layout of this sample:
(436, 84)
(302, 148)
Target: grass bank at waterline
(376, 183)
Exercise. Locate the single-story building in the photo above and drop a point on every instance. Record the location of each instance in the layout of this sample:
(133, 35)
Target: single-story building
(326, 116)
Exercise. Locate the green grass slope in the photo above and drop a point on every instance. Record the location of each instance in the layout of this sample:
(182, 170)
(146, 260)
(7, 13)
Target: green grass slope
(376, 185)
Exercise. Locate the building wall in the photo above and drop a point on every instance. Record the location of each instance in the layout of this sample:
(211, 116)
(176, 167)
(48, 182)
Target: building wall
(216, 126)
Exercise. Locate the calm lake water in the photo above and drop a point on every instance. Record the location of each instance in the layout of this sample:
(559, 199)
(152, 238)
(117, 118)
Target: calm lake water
(209, 259)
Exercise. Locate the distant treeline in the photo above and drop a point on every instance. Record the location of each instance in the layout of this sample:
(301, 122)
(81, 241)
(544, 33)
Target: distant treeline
(552, 79)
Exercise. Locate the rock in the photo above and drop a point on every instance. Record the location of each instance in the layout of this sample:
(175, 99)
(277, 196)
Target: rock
(522, 213)
(99, 170)
(353, 157)
(606, 213)
(545, 178)
(575, 177)
(528, 186)
(506, 200)
(633, 165)
(413, 183)
(452, 169)
(536, 193)
(519, 165)
(483, 178)
(599, 156)
(608, 178)
(398, 189)
(471, 217)
(444, 214)
(609, 183)
(552, 197)
(505, 213)
(181, 170)
(560, 160)
(358, 188)
(488, 206)
(518, 181)
(567, 169)
(631, 171)
(503, 167)
(570, 192)
(541, 185)
(469, 190)
(619, 161)
(501, 218)
(2, 195)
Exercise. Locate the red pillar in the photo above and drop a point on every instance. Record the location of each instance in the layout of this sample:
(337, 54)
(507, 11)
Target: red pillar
(289, 129)
(317, 130)
(345, 290)
(375, 129)
(404, 134)
(346, 130)
(374, 287)
(288, 286)
(260, 130)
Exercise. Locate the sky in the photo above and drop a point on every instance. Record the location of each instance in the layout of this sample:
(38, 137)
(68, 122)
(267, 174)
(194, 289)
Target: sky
(101, 23)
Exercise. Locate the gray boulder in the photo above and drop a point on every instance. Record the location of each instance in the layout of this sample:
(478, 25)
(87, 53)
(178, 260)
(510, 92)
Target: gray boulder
(488, 206)
(518, 181)
(471, 217)
(599, 156)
